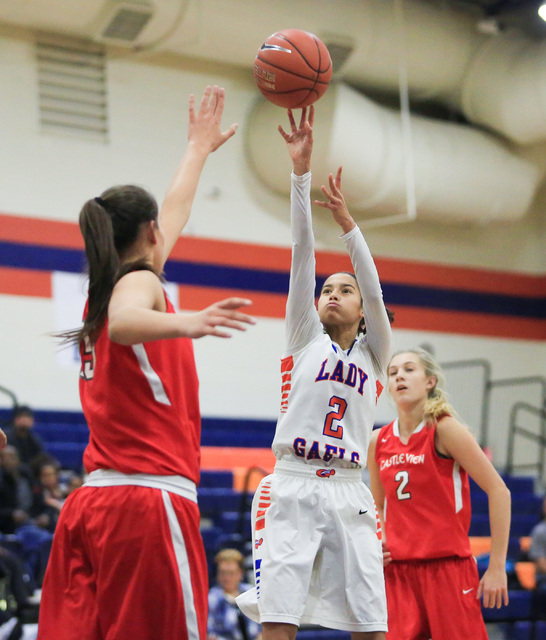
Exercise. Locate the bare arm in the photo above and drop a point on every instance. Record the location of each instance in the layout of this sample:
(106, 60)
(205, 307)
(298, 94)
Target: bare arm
(136, 314)
(456, 441)
(204, 137)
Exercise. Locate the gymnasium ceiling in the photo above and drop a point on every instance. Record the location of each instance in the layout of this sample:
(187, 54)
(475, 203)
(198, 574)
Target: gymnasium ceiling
(82, 18)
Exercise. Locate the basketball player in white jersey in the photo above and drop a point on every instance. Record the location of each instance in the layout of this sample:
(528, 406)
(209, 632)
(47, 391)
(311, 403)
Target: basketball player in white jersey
(317, 553)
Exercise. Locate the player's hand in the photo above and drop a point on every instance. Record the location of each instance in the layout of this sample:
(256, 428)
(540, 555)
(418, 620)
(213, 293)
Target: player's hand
(3, 439)
(493, 588)
(300, 140)
(220, 314)
(204, 126)
(336, 202)
(387, 558)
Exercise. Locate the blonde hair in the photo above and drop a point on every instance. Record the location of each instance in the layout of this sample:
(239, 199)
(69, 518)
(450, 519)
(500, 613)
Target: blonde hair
(437, 403)
(230, 555)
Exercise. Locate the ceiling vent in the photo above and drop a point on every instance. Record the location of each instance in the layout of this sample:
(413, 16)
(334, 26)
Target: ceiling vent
(72, 87)
(124, 22)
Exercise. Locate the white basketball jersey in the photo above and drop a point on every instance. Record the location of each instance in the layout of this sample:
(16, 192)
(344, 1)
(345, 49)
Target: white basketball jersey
(328, 395)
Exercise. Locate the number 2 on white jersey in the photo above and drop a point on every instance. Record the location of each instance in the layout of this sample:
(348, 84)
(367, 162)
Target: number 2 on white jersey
(330, 429)
(403, 478)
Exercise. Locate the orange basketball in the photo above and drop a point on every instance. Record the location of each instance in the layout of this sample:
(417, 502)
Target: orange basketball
(293, 68)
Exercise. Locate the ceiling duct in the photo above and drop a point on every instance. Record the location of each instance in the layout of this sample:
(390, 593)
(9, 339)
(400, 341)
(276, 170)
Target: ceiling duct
(461, 175)
(340, 50)
(124, 22)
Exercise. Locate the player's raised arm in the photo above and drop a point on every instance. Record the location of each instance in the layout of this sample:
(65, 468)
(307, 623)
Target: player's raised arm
(204, 136)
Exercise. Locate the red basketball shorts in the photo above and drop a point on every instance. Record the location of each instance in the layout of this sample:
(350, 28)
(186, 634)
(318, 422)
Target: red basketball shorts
(434, 599)
(127, 562)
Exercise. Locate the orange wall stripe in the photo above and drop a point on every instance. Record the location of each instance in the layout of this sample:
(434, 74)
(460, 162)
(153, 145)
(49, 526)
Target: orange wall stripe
(49, 233)
(233, 254)
(255, 256)
(461, 278)
(468, 323)
(25, 282)
(269, 305)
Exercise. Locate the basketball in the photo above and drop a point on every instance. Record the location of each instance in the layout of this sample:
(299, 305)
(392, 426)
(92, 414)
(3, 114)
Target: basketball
(293, 68)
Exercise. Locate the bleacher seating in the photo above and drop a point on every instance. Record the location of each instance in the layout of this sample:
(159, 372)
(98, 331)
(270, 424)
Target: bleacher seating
(213, 502)
(322, 634)
(519, 608)
(65, 435)
(216, 479)
(525, 630)
(526, 509)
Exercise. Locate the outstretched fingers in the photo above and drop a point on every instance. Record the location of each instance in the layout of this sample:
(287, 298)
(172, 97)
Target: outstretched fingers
(233, 303)
(205, 99)
(192, 108)
(335, 183)
(337, 180)
(311, 118)
(226, 314)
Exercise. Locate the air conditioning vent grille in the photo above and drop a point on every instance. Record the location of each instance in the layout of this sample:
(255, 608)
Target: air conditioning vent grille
(72, 88)
(126, 25)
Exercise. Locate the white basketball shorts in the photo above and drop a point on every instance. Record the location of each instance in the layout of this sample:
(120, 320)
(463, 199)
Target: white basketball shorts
(317, 553)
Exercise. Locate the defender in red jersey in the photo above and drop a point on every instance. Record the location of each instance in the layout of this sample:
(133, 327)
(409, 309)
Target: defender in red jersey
(419, 466)
(127, 558)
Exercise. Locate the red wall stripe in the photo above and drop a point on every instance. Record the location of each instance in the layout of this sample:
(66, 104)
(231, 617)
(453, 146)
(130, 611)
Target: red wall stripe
(461, 278)
(25, 282)
(254, 256)
(48, 233)
(269, 305)
(468, 323)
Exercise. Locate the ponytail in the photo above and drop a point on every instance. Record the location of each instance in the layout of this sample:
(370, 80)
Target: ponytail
(103, 264)
(110, 225)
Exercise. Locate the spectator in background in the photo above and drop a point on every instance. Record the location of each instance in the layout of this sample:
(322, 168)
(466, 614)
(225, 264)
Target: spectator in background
(20, 501)
(74, 482)
(53, 492)
(226, 621)
(537, 553)
(24, 513)
(22, 436)
(537, 550)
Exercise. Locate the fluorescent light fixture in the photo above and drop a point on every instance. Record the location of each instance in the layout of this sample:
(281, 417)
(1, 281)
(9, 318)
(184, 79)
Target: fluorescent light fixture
(542, 11)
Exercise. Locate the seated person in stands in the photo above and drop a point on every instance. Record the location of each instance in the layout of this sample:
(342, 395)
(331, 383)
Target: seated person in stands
(537, 553)
(74, 482)
(23, 512)
(226, 621)
(53, 492)
(22, 436)
(20, 501)
(21, 582)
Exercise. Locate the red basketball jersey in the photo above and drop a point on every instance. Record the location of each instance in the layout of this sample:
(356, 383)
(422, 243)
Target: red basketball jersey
(142, 406)
(427, 496)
